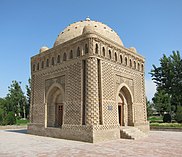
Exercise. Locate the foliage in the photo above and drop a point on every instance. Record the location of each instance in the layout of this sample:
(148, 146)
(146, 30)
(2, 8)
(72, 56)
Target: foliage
(2, 110)
(15, 105)
(10, 118)
(167, 118)
(1, 116)
(168, 77)
(162, 102)
(149, 108)
(28, 96)
(178, 116)
(16, 99)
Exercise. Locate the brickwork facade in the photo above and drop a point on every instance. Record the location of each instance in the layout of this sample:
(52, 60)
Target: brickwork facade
(88, 86)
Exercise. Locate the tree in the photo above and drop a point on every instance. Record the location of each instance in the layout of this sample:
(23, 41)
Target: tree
(178, 116)
(3, 112)
(168, 77)
(16, 100)
(149, 108)
(28, 89)
(15, 104)
(10, 119)
(162, 102)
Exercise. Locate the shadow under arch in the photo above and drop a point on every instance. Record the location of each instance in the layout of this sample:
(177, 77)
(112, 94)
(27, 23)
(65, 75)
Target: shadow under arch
(124, 100)
(54, 100)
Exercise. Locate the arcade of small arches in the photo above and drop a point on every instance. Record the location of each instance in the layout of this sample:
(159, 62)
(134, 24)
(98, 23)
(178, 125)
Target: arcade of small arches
(118, 57)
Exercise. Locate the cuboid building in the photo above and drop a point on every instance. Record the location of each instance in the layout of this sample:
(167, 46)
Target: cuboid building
(88, 87)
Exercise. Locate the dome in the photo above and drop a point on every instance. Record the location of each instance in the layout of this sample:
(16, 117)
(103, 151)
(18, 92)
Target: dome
(78, 28)
(133, 49)
(42, 49)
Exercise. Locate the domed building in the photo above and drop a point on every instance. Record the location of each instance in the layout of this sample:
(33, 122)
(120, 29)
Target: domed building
(88, 86)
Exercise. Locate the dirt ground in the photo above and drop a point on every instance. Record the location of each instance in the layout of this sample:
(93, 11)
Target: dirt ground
(158, 144)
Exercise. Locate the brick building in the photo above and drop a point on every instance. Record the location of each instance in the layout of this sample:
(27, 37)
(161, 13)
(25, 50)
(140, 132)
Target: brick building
(88, 86)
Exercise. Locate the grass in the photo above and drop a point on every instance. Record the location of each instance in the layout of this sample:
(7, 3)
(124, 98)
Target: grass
(22, 121)
(155, 119)
(167, 125)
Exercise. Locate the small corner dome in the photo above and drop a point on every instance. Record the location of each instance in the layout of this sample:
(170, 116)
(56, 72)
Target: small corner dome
(133, 49)
(42, 49)
(78, 28)
(88, 29)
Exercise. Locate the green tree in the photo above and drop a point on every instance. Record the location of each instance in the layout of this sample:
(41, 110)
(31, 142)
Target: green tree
(168, 77)
(2, 111)
(162, 102)
(149, 108)
(178, 116)
(28, 96)
(16, 100)
(10, 119)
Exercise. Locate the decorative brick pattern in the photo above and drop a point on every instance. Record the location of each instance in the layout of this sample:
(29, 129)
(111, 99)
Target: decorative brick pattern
(88, 96)
(110, 113)
(108, 81)
(72, 113)
(38, 106)
(74, 83)
(138, 91)
(49, 82)
(144, 99)
(92, 104)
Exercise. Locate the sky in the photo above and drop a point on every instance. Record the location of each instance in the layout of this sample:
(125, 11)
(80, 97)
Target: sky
(153, 27)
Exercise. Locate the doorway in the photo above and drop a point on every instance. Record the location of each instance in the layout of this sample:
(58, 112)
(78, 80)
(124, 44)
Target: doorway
(59, 115)
(124, 102)
(121, 114)
(55, 110)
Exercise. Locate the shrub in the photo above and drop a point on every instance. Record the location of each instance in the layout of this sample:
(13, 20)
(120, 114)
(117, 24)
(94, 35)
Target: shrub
(178, 116)
(167, 118)
(10, 118)
(1, 116)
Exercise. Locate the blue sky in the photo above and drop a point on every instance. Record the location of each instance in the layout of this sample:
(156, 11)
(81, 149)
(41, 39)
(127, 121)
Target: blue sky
(153, 27)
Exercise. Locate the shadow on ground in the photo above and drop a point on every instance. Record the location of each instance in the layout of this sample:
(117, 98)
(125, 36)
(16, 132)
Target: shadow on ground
(22, 131)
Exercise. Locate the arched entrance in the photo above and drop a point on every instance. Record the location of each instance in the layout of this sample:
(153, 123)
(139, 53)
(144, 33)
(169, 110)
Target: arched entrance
(55, 107)
(124, 102)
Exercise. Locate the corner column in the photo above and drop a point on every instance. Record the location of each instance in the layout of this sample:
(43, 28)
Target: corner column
(91, 92)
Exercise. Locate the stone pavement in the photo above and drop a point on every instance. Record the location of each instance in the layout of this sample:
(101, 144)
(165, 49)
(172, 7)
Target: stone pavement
(159, 144)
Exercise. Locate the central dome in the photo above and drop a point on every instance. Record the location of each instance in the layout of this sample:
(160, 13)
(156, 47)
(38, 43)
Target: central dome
(76, 29)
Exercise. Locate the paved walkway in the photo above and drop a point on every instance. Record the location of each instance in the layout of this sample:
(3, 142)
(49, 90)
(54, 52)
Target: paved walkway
(158, 144)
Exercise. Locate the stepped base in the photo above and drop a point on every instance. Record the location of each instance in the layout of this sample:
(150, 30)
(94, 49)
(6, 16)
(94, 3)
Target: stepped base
(129, 132)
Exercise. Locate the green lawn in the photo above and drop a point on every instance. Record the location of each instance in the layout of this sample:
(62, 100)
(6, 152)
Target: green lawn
(22, 121)
(167, 125)
(155, 119)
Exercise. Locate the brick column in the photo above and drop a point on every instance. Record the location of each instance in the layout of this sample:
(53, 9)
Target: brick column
(91, 92)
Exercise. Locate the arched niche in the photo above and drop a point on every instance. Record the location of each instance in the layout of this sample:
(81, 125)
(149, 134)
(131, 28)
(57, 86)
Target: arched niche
(124, 100)
(55, 106)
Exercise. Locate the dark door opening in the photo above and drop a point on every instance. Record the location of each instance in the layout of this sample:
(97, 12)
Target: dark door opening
(119, 115)
(59, 115)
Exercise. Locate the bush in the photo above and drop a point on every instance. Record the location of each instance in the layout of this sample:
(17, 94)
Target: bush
(1, 116)
(178, 116)
(167, 118)
(10, 118)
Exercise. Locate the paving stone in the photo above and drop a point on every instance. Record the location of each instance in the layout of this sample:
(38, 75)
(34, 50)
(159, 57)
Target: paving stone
(159, 144)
